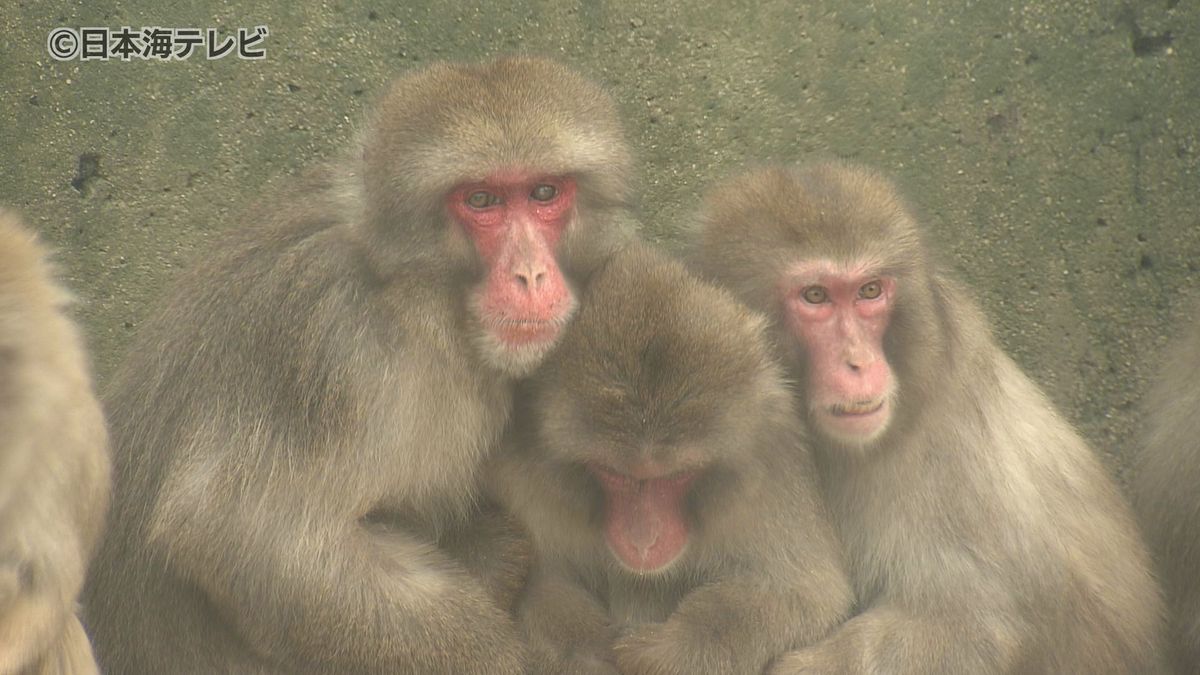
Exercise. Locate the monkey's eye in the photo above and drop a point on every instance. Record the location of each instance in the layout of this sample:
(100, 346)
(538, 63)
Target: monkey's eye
(481, 199)
(544, 192)
(814, 295)
(870, 290)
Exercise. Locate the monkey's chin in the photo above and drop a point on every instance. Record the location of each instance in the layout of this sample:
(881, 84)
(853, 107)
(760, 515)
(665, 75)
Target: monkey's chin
(519, 352)
(517, 347)
(857, 425)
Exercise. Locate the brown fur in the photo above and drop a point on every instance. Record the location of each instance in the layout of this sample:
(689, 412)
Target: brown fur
(661, 366)
(299, 431)
(54, 467)
(983, 535)
(1167, 492)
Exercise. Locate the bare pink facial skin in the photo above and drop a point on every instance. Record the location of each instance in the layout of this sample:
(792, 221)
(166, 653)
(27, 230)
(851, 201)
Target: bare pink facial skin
(515, 219)
(840, 315)
(645, 524)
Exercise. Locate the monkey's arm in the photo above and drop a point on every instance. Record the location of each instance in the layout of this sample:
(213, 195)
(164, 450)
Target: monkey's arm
(767, 594)
(494, 549)
(311, 587)
(890, 639)
(736, 625)
(567, 628)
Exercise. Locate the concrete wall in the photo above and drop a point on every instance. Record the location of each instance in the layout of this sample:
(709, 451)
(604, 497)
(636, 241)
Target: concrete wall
(1053, 149)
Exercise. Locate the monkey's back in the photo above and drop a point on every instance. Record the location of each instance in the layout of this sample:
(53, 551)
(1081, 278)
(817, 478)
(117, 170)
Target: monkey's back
(1167, 491)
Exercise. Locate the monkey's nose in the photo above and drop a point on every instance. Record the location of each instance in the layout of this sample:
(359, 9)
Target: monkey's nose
(857, 359)
(530, 279)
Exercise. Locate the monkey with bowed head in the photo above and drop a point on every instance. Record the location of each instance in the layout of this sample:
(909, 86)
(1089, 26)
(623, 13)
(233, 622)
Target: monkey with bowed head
(1167, 492)
(660, 469)
(54, 467)
(300, 430)
(982, 535)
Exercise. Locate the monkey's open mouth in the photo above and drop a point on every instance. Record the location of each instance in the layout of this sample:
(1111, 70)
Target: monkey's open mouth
(856, 408)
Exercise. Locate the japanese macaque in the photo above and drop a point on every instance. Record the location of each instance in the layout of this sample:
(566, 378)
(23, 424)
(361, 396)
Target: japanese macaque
(300, 431)
(1167, 493)
(660, 469)
(54, 467)
(982, 535)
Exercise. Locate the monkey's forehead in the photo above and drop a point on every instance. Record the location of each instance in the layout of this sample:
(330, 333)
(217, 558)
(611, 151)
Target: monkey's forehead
(451, 124)
(762, 222)
(685, 358)
(814, 270)
(527, 102)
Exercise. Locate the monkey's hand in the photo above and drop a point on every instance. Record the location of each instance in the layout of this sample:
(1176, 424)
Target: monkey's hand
(734, 625)
(495, 549)
(840, 655)
(651, 649)
(682, 644)
(662, 649)
(567, 628)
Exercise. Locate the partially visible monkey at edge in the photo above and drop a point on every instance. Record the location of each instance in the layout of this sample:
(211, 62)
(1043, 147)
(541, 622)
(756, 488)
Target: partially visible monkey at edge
(660, 469)
(1167, 492)
(982, 534)
(300, 430)
(54, 467)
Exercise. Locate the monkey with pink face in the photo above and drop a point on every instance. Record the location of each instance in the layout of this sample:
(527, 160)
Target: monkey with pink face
(668, 487)
(299, 432)
(982, 534)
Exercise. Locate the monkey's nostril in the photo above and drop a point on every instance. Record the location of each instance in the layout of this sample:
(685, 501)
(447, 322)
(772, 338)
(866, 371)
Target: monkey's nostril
(528, 280)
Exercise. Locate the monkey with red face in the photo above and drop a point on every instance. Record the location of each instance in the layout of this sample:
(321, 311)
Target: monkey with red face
(668, 487)
(299, 432)
(983, 536)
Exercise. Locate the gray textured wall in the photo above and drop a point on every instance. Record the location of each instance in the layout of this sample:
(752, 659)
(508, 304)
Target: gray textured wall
(1053, 149)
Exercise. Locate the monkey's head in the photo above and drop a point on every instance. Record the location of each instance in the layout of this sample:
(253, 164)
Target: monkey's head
(657, 393)
(833, 253)
(507, 178)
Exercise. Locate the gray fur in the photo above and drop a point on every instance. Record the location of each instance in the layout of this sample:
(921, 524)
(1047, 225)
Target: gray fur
(299, 431)
(661, 366)
(982, 533)
(1167, 492)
